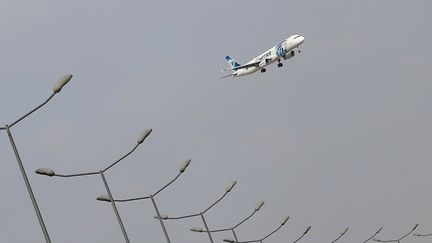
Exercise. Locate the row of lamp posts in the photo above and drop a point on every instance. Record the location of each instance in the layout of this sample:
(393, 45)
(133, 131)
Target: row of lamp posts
(108, 198)
(161, 217)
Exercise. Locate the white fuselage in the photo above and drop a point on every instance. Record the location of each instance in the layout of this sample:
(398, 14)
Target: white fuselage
(283, 50)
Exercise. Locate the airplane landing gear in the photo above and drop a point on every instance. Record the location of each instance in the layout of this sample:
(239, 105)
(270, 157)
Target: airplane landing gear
(263, 70)
(280, 64)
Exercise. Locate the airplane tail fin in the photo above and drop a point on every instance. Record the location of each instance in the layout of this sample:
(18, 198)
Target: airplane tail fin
(232, 62)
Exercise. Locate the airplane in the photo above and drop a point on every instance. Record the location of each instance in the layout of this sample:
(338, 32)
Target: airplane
(284, 50)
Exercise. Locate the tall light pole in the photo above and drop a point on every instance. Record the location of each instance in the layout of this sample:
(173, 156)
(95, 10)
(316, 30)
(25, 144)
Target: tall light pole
(340, 236)
(50, 172)
(228, 188)
(57, 87)
(109, 198)
(232, 229)
(263, 238)
(400, 238)
(370, 238)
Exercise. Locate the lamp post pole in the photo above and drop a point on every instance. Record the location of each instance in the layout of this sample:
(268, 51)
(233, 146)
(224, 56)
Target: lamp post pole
(235, 235)
(114, 207)
(160, 219)
(207, 228)
(29, 189)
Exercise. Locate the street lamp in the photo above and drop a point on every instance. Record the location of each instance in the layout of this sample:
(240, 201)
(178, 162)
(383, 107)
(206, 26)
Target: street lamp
(263, 238)
(57, 87)
(370, 238)
(340, 236)
(401, 238)
(228, 188)
(51, 173)
(232, 229)
(182, 168)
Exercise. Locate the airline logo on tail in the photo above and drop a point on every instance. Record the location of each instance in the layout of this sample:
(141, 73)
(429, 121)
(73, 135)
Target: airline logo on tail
(232, 62)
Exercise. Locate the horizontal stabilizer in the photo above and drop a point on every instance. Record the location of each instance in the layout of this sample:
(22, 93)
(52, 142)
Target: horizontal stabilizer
(226, 76)
(248, 65)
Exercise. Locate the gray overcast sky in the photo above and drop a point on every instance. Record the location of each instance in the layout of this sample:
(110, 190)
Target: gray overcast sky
(339, 137)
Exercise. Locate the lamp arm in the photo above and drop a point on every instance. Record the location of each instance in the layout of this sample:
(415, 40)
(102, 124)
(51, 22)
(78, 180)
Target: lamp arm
(124, 156)
(169, 183)
(30, 112)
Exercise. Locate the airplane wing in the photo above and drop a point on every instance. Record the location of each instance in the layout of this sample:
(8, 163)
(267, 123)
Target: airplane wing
(247, 65)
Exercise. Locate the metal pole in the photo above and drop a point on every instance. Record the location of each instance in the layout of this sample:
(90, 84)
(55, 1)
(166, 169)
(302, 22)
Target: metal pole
(235, 236)
(207, 228)
(114, 207)
(27, 183)
(160, 219)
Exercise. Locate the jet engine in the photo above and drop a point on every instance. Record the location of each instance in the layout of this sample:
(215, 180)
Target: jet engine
(289, 55)
(264, 63)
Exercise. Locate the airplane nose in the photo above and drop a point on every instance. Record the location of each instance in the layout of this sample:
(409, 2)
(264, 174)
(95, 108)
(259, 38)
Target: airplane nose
(301, 39)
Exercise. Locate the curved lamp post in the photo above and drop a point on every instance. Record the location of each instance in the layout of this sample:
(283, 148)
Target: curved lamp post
(263, 238)
(232, 229)
(182, 168)
(370, 238)
(57, 87)
(340, 236)
(228, 188)
(399, 239)
(50, 172)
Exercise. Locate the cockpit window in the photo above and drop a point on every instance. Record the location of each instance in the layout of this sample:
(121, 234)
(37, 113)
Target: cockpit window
(296, 37)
